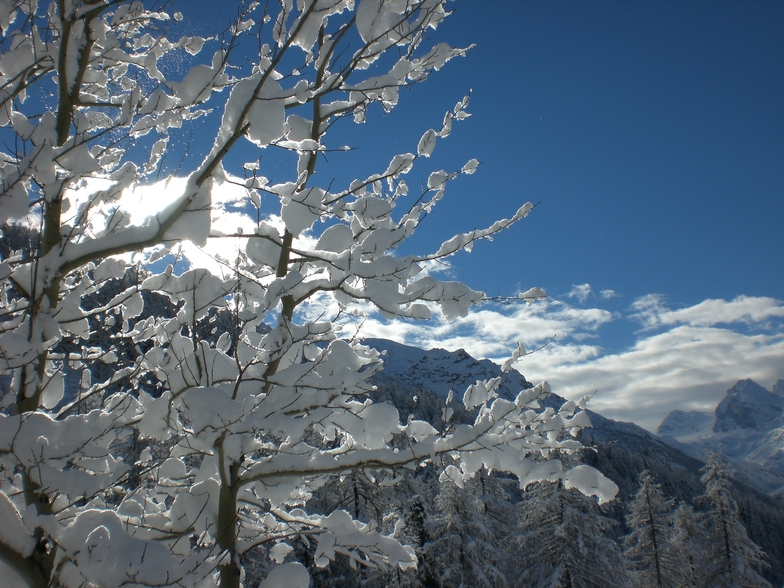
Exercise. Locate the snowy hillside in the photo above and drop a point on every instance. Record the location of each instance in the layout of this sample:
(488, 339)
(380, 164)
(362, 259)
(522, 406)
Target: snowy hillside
(686, 425)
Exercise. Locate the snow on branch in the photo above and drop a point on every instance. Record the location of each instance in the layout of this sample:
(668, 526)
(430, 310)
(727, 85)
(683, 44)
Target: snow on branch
(171, 399)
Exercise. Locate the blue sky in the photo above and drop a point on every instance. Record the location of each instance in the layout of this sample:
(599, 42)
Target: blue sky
(651, 135)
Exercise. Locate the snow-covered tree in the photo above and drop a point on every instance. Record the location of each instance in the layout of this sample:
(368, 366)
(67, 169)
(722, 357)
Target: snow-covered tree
(133, 147)
(562, 541)
(687, 546)
(416, 517)
(463, 552)
(733, 559)
(650, 520)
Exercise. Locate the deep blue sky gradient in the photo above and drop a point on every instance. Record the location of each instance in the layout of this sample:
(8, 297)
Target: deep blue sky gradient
(650, 133)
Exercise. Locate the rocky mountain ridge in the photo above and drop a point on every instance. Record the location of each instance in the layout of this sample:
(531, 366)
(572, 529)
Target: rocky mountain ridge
(441, 371)
(747, 427)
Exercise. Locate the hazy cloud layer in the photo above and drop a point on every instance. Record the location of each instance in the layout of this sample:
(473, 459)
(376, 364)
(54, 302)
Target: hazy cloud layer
(685, 358)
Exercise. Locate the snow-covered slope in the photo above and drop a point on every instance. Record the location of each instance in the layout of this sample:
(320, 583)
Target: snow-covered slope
(686, 425)
(748, 427)
(441, 371)
(417, 381)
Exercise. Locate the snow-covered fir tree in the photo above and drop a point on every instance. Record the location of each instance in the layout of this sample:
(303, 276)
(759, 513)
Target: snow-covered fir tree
(416, 520)
(687, 547)
(649, 517)
(463, 552)
(733, 560)
(562, 542)
(500, 495)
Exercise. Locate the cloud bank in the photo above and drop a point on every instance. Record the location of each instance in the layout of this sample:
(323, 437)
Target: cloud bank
(682, 358)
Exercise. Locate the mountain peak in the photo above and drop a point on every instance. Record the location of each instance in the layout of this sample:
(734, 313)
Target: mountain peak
(748, 405)
(778, 388)
(440, 370)
(683, 425)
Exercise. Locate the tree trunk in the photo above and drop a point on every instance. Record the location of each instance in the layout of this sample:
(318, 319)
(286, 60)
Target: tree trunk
(227, 524)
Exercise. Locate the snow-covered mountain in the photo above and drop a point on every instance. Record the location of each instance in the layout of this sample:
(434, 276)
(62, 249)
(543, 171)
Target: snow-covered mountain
(417, 382)
(412, 371)
(686, 425)
(441, 371)
(747, 427)
(748, 405)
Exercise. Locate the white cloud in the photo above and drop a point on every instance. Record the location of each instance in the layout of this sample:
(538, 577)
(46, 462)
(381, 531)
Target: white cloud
(744, 309)
(606, 294)
(493, 331)
(581, 292)
(688, 368)
(684, 359)
(688, 364)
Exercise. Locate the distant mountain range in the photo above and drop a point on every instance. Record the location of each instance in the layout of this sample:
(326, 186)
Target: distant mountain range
(747, 427)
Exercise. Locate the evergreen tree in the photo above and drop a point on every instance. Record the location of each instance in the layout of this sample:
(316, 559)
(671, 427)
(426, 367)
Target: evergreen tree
(417, 527)
(733, 558)
(500, 496)
(562, 541)
(688, 545)
(463, 551)
(650, 519)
